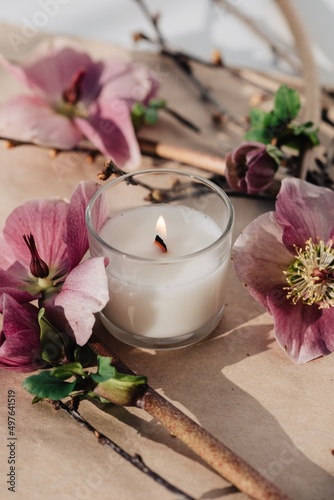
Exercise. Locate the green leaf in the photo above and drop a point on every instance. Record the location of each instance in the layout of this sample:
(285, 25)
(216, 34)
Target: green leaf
(137, 114)
(260, 130)
(52, 345)
(287, 104)
(257, 135)
(66, 371)
(116, 387)
(275, 153)
(122, 389)
(36, 399)
(307, 129)
(85, 355)
(157, 103)
(104, 370)
(46, 385)
(257, 117)
(151, 116)
(138, 110)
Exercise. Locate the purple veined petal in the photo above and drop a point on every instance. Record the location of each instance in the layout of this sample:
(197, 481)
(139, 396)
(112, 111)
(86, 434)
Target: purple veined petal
(76, 231)
(259, 257)
(20, 345)
(261, 171)
(232, 174)
(12, 285)
(84, 293)
(109, 128)
(46, 221)
(304, 211)
(30, 118)
(304, 332)
(51, 67)
(7, 254)
(15, 70)
(239, 154)
(129, 81)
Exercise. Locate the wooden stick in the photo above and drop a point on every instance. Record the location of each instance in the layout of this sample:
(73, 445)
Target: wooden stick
(223, 460)
(312, 88)
(198, 159)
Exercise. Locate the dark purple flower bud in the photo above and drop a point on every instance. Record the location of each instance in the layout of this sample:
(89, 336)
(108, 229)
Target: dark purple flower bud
(38, 267)
(250, 168)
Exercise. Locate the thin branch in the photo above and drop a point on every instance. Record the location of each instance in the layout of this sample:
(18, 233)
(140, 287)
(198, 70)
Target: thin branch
(154, 20)
(260, 33)
(134, 460)
(224, 461)
(193, 158)
(182, 62)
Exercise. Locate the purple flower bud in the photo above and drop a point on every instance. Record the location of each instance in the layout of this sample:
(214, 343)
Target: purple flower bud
(38, 267)
(250, 168)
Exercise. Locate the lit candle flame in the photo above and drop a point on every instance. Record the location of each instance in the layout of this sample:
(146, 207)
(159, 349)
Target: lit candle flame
(160, 228)
(161, 231)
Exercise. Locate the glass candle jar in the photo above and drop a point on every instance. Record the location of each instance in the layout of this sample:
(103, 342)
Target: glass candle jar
(167, 237)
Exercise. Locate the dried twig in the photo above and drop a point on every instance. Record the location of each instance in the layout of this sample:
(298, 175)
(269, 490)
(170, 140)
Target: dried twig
(134, 460)
(183, 62)
(193, 158)
(224, 461)
(248, 21)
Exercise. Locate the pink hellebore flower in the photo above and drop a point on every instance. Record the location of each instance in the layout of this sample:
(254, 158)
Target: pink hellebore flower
(41, 247)
(19, 338)
(250, 168)
(75, 98)
(286, 259)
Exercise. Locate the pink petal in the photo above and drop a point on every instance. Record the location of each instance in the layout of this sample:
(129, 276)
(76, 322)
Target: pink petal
(46, 220)
(12, 284)
(259, 257)
(30, 118)
(304, 210)
(304, 332)
(76, 231)
(50, 69)
(20, 345)
(129, 81)
(239, 154)
(109, 128)
(84, 293)
(261, 171)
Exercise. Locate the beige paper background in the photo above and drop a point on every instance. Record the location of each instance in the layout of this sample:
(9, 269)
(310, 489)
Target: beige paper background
(237, 383)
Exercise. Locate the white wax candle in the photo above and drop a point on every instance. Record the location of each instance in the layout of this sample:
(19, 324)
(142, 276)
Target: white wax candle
(164, 294)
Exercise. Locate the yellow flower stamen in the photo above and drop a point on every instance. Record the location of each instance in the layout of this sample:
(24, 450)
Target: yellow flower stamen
(310, 277)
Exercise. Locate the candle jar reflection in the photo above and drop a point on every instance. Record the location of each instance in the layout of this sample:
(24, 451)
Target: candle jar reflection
(162, 299)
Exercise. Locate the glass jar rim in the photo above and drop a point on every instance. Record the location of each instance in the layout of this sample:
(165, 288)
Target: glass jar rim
(123, 178)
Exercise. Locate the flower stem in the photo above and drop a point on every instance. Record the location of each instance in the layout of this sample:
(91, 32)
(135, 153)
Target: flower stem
(135, 460)
(223, 460)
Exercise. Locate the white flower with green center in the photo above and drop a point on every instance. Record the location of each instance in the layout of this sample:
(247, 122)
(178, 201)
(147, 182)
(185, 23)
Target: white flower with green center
(286, 259)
